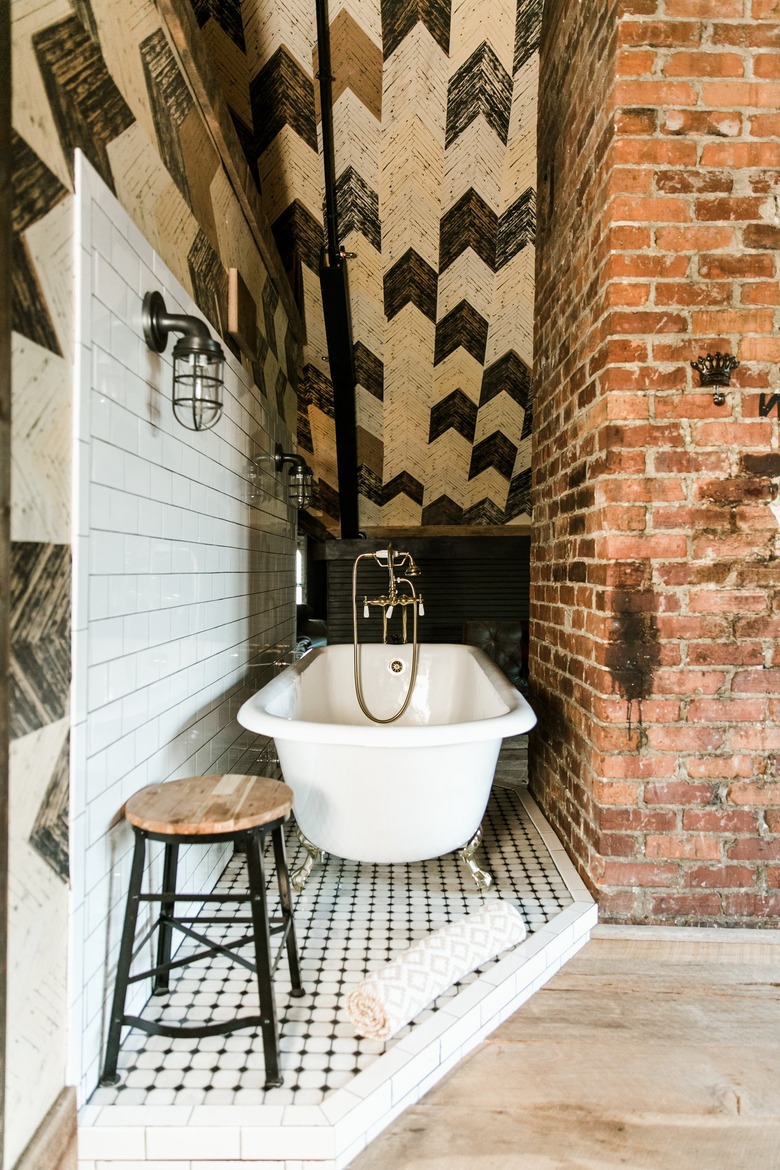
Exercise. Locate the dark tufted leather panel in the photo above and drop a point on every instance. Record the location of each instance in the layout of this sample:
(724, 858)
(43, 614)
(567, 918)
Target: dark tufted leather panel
(503, 641)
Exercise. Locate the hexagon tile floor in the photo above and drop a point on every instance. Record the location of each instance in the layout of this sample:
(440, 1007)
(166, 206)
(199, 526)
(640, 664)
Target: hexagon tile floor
(201, 1105)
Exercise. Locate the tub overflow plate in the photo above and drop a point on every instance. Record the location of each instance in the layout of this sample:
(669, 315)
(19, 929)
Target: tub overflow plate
(396, 666)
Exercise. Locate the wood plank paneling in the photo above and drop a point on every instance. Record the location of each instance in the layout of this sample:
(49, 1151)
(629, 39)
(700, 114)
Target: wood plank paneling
(461, 578)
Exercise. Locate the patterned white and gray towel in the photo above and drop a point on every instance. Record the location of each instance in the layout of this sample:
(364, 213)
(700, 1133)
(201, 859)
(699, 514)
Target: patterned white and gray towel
(394, 995)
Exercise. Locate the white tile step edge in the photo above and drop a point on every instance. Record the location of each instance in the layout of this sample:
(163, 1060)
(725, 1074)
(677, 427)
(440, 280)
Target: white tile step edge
(330, 1135)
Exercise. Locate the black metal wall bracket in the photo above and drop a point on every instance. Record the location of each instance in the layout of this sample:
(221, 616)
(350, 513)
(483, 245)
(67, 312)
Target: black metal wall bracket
(715, 370)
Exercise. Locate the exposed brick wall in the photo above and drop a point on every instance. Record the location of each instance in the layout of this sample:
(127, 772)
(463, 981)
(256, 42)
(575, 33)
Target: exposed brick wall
(656, 578)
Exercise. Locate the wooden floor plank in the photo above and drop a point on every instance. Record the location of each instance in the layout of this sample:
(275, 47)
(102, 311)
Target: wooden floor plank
(639, 1055)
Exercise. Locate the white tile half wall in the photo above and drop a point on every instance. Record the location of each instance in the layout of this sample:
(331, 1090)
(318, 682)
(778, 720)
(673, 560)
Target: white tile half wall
(184, 596)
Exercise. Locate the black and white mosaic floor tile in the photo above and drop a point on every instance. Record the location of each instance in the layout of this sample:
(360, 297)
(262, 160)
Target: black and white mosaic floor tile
(351, 918)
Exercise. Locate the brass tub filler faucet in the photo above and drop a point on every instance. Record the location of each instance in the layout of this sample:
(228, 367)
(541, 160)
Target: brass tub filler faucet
(401, 567)
(393, 598)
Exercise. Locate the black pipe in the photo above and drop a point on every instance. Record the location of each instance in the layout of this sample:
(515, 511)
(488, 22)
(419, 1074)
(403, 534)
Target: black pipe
(325, 77)
(335, 301)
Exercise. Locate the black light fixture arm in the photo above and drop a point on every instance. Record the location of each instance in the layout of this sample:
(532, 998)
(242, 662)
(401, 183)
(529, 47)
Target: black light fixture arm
(281, 457)
(158, 323)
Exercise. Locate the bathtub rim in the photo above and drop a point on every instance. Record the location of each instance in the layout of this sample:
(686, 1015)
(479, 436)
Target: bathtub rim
(518, 719)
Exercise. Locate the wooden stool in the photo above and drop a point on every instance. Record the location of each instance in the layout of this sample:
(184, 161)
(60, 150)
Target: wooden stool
(203, 810)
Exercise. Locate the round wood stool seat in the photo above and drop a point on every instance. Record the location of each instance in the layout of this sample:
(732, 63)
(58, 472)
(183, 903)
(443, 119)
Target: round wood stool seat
(209, 805)
(246, 811)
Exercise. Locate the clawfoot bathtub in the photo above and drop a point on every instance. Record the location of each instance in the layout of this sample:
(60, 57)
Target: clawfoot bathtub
(405, 791)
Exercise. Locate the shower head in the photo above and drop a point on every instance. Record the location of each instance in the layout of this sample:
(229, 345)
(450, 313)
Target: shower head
(411, 569)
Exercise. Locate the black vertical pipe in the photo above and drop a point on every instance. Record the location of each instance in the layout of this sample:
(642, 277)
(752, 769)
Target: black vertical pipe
(325, 77)
(335, 300)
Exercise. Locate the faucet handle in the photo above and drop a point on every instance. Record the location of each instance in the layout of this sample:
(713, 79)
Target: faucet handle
(365, 607)
(421, 608)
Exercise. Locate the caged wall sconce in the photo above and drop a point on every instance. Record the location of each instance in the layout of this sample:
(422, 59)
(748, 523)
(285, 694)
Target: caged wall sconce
(198, 363)
(299, 483)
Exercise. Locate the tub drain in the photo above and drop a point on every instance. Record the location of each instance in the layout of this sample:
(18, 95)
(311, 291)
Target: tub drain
(396, 666)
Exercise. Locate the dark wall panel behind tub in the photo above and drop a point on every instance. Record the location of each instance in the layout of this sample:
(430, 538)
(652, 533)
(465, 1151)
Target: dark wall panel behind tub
(461, 578)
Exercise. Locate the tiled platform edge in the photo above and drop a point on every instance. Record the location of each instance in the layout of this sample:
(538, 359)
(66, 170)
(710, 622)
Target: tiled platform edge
(328, 1136)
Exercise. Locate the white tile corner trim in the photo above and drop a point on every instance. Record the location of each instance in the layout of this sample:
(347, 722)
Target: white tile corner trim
(183, 591)
(200, 1110)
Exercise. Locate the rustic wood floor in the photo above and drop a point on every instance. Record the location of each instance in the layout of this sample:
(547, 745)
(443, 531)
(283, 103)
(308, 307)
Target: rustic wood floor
(650, 1050)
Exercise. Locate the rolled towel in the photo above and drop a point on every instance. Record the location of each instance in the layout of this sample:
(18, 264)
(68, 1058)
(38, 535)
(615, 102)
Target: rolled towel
(394, 995)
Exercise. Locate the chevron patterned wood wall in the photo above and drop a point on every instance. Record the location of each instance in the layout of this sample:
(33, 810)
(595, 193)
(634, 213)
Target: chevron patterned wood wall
(435, 128)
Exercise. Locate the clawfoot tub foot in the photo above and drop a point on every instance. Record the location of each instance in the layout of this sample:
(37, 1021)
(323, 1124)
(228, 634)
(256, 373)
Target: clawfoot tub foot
(313, 854)
(481, 877)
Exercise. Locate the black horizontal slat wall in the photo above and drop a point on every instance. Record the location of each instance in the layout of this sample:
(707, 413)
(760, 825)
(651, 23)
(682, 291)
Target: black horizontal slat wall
(461, 579)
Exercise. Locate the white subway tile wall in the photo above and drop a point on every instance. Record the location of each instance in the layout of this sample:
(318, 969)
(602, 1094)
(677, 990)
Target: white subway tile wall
(184, 588)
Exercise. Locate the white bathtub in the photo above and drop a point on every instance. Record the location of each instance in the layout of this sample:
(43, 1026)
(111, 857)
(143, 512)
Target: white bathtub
(405, 791)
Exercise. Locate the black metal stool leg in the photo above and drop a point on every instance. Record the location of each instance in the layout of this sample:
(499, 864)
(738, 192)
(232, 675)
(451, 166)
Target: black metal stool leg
(109, 1076)
(285, 898)
(262, 941)
(167, 909)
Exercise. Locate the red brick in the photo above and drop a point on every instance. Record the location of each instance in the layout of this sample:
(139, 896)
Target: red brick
(615, 792)
(634, 62)
(688, 682)
(685, 739)
(758, 795)
(761, 907)
(693, 238)
(683, 907)
(630, 181)
(697, 847)
(762, 681)
(762, 235)
(761, 294)
(623, 294)
(741, 154)
(638, 121)
(658, 209)
(637, 8)
(707, 9)
(694, 182)
(717, 434)
(726, 710)
(652, 265)
(767, 64)
(659, 34)
(764, 125)
(678, 793)
(754, 849)
(764, 10)
(649, 490)
(726, 601)
(740, 653)
(733, 321)
(628, 237)
(640, 820)
(648, 323)
(656, 152)
(750, 35)
(760, 349)
(618, 844)
(724, 267)
(745, 208)
(687, 293)
(712, 64)
(638, 873)
(720, 877)
(659, 93)
(703, 123)
(719, 821)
